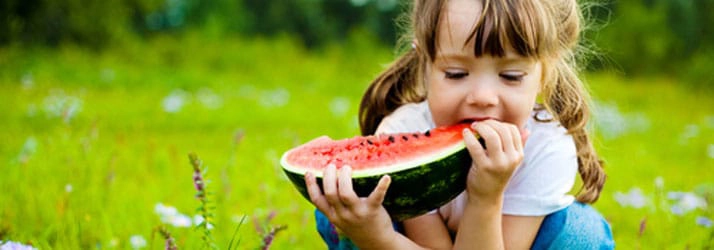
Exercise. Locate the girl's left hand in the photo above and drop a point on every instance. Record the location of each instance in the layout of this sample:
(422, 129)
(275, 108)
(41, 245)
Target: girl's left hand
(493, 166)
(360, 218)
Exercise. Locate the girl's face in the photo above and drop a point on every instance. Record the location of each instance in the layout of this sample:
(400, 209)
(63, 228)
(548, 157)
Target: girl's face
(464, 88)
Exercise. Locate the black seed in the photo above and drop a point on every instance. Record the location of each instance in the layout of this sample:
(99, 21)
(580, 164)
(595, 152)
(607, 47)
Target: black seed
(415, 135)
(405, 138)
(391, 139)
(370, 142)
(361, 143)
(427, 133)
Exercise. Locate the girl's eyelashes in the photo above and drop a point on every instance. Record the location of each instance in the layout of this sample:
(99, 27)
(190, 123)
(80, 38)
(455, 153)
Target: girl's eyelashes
(513, 76)
(455, 75)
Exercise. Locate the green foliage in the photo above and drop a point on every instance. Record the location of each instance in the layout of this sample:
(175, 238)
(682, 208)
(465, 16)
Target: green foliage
(660, 37)
(100, 23)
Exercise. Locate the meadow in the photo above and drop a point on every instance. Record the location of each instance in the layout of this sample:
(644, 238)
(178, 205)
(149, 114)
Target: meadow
(94, 144)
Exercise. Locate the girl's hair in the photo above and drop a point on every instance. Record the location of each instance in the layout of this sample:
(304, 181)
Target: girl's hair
(548, 30)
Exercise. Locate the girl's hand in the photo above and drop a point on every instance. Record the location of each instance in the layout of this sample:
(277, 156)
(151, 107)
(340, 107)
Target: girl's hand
(361, 219)
(493, 166)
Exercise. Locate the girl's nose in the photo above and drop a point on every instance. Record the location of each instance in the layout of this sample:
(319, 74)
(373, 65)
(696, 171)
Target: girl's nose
(483, 93)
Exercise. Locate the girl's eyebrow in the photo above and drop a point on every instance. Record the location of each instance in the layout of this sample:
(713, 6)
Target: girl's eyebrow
(511, 59)
(507, 60)
(453, 56)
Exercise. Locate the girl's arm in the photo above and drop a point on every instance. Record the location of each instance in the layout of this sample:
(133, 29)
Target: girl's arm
(482, 223)
(519, 232)
(428, 231)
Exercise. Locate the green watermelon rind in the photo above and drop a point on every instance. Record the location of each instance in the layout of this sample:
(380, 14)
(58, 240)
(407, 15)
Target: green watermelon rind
(414, 190)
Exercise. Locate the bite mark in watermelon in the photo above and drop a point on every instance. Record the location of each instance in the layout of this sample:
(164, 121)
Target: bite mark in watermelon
(427, 169)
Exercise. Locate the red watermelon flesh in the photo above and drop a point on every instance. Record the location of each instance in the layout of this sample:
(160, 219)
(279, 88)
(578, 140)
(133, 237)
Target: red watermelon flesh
(373, 152)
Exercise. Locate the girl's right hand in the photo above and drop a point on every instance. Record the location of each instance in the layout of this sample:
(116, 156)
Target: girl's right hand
(362, 219)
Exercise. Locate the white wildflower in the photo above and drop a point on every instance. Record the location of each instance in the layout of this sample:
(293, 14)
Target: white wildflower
(171, 215)
(704, 221)
(137, 241)
(690, 131)
(275, 98)
(634, 198)
(174, 102)
(209, 99)
(685, 202)
(198, 219)
(9, 245)
(59, 105)
(659, 182)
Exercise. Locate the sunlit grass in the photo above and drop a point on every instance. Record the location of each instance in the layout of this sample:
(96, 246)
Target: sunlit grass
(93, 141)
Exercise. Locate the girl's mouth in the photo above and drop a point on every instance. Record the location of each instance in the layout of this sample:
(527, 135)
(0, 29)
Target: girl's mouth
(476, 119)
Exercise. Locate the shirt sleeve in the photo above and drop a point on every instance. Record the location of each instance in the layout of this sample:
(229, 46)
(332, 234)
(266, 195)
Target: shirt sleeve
(411, 117)
(542, 183)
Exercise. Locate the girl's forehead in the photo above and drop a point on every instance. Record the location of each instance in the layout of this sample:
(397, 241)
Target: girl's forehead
(458, 19)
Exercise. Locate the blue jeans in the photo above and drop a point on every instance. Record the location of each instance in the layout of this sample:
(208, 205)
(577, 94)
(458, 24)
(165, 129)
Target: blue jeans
(578, 226)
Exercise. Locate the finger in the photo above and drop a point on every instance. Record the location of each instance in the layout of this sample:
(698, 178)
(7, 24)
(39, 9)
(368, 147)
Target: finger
(344, 187)
(515, 138)
(489, 134)
(329, 185)
(472, 144)
(315, 194)
(505, 136)
(377, 196)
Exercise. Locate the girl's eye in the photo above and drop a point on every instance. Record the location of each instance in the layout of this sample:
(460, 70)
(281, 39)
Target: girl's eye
(513, 76)
(454, 75)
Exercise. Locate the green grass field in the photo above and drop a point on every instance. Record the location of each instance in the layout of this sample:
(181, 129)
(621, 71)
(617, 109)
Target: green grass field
(92, 142)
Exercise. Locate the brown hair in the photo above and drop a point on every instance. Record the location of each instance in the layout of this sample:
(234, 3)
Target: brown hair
(548, 30)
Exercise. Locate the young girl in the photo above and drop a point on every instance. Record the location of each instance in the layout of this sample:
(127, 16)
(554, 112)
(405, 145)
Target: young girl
(508, 68)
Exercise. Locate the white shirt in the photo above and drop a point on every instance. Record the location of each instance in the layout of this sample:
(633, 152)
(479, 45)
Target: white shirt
(538, 187)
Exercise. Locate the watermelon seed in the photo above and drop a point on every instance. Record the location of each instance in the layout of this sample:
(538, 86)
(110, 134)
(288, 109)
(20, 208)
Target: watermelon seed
(405, 138)
(427, 133)
(415, 135)
(391, 139)
(370, 142)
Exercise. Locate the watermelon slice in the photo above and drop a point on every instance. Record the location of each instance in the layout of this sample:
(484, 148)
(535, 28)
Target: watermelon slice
(427, 169)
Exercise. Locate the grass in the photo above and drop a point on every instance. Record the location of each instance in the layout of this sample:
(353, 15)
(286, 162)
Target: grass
(88, 147)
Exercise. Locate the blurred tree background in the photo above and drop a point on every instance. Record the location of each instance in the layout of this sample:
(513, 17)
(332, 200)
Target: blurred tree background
(638, 38)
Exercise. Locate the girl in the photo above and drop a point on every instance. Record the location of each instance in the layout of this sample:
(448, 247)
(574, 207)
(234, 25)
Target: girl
(485, 62)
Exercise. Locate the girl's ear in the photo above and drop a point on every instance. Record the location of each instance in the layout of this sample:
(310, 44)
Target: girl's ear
(415, 44)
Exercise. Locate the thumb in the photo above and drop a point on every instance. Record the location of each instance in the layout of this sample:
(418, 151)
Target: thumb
(377, 196)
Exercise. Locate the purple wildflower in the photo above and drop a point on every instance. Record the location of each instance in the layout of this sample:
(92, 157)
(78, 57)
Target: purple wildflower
(170, 243)
(268, 238)
(198, 182)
